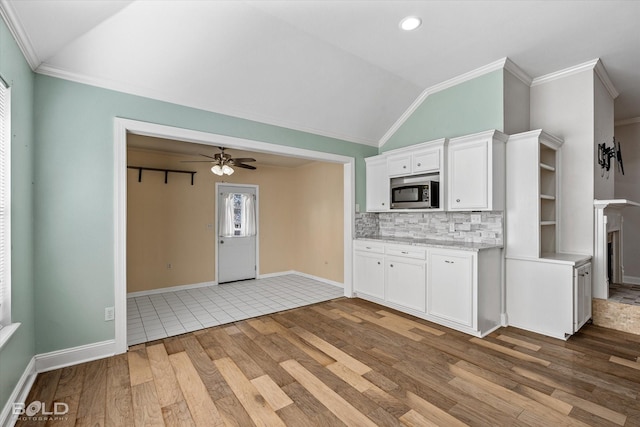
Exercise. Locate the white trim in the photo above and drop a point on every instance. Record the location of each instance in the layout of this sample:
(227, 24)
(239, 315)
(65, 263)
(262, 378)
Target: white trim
(320, 279)
(19, 394)
(517, 72)
(122, 126)
(171, 289)
(52, 71)
(277, 274)
(6, 332)
(74, 355)
(497, 65)
(19, 34)
(625, 122)
(595, 65)
(564, 73)
(632, 280)
(601, 72)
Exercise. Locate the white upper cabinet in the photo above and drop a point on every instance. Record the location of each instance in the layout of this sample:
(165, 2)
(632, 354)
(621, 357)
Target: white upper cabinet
(377, 184)
(416, 159)
(476, 172)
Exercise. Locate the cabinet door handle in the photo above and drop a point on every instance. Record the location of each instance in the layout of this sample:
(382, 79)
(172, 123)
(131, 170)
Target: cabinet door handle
(586, 272)
(419, 164)
(390, 265)
(458, 200)
(449, 262)
(378, 262)
(382, 203)
(404, 252)
(404, 166)
(368, 247)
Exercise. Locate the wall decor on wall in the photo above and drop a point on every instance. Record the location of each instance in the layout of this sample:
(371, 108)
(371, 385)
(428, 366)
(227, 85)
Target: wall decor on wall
(606, 153)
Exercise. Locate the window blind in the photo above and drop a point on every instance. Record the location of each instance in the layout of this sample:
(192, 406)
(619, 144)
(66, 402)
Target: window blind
(5, 208)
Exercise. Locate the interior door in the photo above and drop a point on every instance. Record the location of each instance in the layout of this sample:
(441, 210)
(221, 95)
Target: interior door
(237, 230)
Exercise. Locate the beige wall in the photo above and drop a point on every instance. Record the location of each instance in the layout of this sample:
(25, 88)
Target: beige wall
(173, 223)
(319, 226)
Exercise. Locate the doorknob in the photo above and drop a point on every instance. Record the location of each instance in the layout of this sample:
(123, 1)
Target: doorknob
(221, 241)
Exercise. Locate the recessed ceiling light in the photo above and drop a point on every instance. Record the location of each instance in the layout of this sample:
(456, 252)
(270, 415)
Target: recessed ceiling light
(410, 23)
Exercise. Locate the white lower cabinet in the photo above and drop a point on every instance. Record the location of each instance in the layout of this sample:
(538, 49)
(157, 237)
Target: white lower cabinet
(451, 286)
(405, 279)
(368, 270)
(460, 289)
(551, 295)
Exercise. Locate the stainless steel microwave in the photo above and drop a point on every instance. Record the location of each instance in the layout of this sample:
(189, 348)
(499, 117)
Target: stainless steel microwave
(414, 192)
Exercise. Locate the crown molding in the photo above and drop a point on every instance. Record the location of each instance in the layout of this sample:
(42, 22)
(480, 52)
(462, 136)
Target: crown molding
(52, 71)
(19, 34)
(595, 65)
(601, 72)
(625, 122)
(511, 67)
(486, 69)
(564, 73)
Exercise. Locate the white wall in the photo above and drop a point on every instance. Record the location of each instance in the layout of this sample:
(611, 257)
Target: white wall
(603, 132)
(627, 187)
(516, 104)
(564, 107)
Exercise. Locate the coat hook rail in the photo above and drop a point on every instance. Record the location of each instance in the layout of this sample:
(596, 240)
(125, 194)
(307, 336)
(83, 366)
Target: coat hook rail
(166, 172)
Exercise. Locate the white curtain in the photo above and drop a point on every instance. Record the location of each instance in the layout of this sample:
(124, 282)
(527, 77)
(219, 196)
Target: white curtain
(248, 215)
(226, 220)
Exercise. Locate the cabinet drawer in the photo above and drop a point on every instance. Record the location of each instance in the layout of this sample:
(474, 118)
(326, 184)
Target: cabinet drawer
(406, 252)
(399, 165)
(427, 161)
(376, 248)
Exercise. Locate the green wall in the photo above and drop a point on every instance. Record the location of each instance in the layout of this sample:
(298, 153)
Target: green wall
(473, 106)
(74, 196)
(18, 351)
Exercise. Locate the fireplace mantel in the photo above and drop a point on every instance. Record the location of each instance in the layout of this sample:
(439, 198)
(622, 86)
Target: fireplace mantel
(602, 207)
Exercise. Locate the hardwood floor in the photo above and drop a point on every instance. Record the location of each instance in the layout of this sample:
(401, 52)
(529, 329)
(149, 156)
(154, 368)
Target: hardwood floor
(351, 362)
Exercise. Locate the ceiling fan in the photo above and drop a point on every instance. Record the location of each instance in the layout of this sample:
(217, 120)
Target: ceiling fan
(223, 163)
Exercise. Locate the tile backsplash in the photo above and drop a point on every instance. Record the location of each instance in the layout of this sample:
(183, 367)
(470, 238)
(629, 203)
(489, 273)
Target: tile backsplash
(480, 227)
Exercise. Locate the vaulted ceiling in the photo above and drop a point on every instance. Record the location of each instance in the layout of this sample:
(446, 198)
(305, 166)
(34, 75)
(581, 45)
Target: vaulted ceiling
(336, 68)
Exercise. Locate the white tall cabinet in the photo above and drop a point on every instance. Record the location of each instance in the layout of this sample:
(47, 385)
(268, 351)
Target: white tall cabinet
(548, 291)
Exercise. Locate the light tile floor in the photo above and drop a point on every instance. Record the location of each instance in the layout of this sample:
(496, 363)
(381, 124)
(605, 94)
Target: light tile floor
(624, 293)
(167, 314)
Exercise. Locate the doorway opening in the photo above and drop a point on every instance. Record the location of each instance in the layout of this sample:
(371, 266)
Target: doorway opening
(237, 232)
(125, 127)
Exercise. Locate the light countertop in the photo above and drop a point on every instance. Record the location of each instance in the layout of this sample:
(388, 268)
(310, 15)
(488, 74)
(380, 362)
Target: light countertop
(432, 243)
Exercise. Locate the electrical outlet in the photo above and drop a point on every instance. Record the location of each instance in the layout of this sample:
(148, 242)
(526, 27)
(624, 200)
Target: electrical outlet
(452, 227)
(109, 313)
(476, 218)
(357, 208)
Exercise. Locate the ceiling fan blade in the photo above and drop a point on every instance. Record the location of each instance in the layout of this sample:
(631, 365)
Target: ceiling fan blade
(243, 159)
(216, 157)
(241, 165)
(197, 161)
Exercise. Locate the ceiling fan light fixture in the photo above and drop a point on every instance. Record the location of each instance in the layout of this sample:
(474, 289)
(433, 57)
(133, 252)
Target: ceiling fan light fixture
(410, 23)
(217, 170)
(227, 170)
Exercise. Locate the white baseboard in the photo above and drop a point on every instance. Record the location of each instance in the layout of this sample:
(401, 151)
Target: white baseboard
(170, 289)
(320, 279)
(280, 273)
(19, 394)
(72, 356)
(632, 280)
